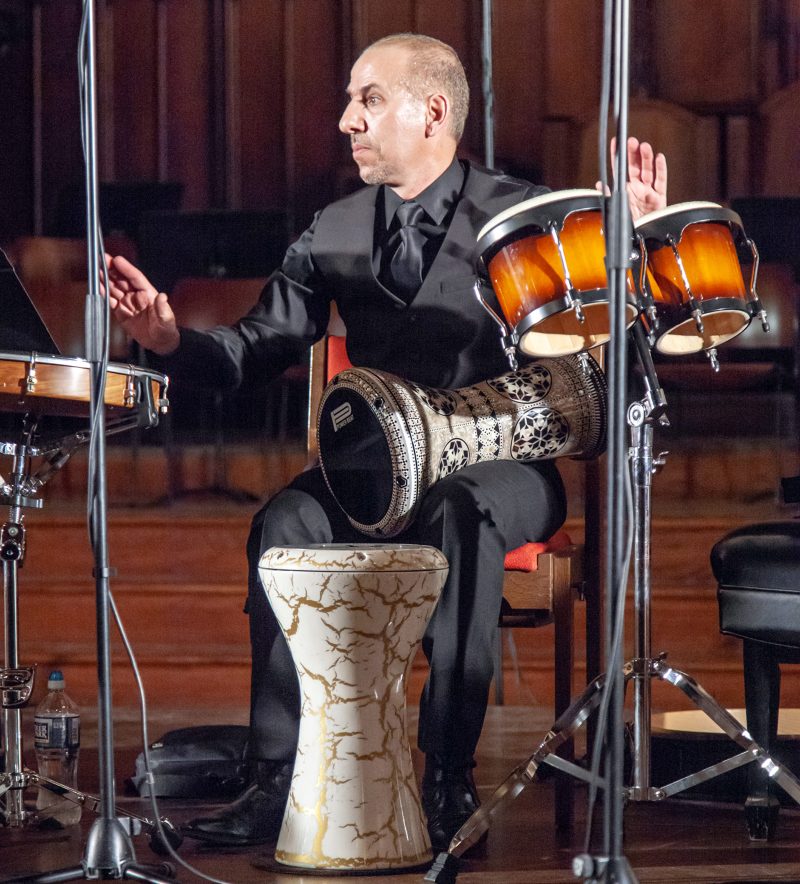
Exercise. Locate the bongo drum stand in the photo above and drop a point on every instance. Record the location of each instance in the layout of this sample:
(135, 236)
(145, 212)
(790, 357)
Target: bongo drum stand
(640, 669)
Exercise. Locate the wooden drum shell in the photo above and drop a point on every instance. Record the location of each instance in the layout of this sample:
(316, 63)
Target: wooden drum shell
(60, 386)
(712, 249)
(523, 263)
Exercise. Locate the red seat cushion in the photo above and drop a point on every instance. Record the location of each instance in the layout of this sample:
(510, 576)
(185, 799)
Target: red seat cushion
(337, 355)
(526, 557)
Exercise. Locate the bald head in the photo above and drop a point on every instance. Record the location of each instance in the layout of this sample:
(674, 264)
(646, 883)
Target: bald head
(433, 67)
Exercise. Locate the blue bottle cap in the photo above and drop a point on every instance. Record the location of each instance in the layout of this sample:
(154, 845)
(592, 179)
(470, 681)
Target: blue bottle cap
(55, 680)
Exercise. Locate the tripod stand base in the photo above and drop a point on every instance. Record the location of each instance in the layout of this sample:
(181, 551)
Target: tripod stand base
(683, 741)
(444, 872)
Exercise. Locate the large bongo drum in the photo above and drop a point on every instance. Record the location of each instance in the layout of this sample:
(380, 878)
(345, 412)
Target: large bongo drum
(545, 259)
(353, 617)
(695, 257)
(383, 441)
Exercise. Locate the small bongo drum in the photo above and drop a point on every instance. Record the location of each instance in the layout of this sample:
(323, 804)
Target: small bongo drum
(545, 259)
(694, 260)
(353, 617)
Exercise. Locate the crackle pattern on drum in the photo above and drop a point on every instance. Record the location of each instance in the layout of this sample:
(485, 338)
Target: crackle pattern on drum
(353, 633)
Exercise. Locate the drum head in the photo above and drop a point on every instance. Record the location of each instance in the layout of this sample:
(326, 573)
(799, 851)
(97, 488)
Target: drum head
(546, 334)
(356, 454)
(719, 327)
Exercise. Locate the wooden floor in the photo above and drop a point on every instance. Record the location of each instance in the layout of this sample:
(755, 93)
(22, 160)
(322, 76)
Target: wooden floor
(673, 841)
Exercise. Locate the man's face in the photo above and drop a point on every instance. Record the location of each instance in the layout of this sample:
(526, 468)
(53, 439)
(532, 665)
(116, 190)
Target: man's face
(385, 124)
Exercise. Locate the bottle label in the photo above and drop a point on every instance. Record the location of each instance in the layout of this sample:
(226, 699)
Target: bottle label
(57, 732)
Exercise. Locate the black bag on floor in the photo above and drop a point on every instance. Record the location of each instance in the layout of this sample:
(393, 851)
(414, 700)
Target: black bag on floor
(196, 762)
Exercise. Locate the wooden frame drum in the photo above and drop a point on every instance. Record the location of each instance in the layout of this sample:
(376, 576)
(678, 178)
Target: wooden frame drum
(60, 386)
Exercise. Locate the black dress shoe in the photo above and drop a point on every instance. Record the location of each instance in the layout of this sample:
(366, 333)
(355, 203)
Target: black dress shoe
(256, 815)
(449, 798)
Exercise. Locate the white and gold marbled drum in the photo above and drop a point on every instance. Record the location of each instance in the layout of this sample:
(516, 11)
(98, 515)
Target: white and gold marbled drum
(353, 616)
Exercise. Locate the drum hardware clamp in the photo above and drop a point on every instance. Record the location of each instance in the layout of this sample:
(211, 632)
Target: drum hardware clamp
(650, 307)
(16, 686)
(694, 304)
(758, 308)
(572, 300)
(129, 397)
(508, 339)
(31, 379)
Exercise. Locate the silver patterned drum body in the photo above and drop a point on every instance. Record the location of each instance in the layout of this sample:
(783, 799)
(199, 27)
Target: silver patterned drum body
(384, 441)
(353, 617)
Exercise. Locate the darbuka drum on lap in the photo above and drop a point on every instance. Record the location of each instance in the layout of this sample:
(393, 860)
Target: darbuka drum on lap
(353, 617)
(384, 441)
(545, 259)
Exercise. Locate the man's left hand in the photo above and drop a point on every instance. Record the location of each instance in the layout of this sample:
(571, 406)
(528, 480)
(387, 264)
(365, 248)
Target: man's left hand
(647, 178)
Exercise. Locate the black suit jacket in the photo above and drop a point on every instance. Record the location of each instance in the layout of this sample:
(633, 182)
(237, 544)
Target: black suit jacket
(442, 338)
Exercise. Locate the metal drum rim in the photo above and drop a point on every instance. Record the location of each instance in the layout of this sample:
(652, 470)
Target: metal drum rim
(79, 362)
(537, 202)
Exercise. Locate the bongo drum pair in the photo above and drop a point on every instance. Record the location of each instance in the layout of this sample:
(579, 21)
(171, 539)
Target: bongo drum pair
(545, 259)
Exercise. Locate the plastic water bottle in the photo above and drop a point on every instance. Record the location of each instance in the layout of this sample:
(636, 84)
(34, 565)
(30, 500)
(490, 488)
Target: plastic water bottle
(57, 740)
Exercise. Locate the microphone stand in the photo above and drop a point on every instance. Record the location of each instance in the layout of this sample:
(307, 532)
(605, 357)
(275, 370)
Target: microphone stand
(109, 852)
(614, 865)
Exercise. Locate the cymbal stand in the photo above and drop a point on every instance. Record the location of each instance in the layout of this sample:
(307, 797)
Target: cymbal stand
(640, 670)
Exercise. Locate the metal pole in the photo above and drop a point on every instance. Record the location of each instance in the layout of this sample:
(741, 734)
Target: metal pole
(618, 262)
(642, 473)
(488, 87)
(15, 813)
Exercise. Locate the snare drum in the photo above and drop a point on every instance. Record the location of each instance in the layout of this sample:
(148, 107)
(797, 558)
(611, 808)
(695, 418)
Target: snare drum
(694, 257)
(545, 259)
(384, 441)
(60, 386)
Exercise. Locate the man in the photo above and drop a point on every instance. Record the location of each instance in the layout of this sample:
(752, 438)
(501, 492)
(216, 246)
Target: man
(398, 259)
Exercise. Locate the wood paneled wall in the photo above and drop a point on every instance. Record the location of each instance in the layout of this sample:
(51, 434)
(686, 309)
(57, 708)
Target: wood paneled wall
(239, 99)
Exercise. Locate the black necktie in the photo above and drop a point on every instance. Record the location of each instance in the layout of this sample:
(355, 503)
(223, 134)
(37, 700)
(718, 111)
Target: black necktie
(403, 260)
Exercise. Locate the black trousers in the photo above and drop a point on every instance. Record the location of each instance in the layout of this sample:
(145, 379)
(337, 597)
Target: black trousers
(474, 516)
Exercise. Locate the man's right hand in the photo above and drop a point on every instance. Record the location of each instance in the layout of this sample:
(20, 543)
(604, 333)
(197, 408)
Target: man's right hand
(143, 312)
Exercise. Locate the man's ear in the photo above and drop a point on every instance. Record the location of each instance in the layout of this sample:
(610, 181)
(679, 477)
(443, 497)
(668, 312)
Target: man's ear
(436, 113)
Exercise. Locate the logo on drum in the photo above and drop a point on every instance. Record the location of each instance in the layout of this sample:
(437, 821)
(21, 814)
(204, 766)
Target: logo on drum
(341, 416)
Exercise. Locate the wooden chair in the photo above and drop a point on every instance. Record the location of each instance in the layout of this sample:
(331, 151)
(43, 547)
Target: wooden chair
(542, 580)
